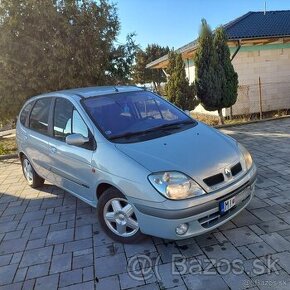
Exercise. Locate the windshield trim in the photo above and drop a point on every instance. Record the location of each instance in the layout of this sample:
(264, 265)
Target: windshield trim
(82, 102)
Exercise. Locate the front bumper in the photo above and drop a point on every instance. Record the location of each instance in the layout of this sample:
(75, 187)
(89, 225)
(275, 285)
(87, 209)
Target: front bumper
(200, 218)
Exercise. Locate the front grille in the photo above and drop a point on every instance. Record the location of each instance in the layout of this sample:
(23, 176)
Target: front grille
(236, 169)
(215, 218)
(213, 180)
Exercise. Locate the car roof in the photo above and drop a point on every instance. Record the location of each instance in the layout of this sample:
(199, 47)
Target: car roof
(95, 91)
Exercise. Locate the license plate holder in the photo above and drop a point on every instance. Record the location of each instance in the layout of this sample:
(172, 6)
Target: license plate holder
(226, 205)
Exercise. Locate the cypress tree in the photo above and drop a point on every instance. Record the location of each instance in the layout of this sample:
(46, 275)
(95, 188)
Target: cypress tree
(216, 80)
(229, 85)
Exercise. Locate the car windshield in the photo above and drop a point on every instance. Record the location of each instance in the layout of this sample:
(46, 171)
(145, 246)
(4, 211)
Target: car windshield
(135, 116)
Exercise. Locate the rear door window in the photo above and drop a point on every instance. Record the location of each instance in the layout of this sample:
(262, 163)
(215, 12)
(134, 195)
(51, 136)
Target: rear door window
(39, 116)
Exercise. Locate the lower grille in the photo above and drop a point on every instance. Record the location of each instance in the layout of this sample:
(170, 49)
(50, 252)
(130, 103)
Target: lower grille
(215, 218)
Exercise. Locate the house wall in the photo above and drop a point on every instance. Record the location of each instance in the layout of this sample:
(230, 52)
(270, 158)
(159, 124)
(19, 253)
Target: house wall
(272, 65)
(189, 69)
(269, 62)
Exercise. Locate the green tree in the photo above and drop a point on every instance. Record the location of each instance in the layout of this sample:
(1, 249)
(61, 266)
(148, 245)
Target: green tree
(143, 75)
(229, 84)
(206, 72)
(178, 90)
(49, 45)
(216, 80)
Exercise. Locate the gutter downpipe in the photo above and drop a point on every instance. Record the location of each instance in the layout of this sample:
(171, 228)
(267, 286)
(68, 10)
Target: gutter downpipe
(233, 56)
(166, 74)
(237, 50)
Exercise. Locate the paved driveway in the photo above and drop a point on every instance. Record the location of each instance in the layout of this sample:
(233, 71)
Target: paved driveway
(50, 240)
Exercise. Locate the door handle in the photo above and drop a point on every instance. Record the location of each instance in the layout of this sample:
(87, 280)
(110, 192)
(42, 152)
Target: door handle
(52, 149)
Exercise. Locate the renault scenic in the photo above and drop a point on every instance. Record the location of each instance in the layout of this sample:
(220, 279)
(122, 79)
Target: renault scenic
(147, 166)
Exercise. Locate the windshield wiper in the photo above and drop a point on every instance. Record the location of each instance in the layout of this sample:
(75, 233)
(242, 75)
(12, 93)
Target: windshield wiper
(128, 134)
(176, 125)
(158, 128)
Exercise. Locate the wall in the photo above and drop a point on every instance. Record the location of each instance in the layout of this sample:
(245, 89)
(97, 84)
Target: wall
(272, 65)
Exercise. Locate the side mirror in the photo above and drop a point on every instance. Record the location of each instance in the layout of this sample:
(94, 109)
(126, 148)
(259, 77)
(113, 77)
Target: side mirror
(76, 139)
(187, 112)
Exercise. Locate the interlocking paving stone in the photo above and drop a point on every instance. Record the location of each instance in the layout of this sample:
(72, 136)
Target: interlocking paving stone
(166, 251)
(109, 250)
(274, 226)
(83, 261)
(222, 251)
(70, 278)
(245, 218)
(246, 252)
(84, 286)
(12, 246)
(61, 263)
(5, 259)
(235, 281)
(7, 274)
(36, 256)
(203, 281)
(242, 236)
(283, 260)
(58, 237)
(77, 245)
(47, 282)
(168, 277)
(146, 246)
(127, 281)
(111, 282)
(261, 249)
(114, 265)
(38, 271)
(264, 214)
(277, 242)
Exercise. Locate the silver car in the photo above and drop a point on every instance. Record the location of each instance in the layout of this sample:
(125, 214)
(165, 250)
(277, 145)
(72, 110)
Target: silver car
(144, 164)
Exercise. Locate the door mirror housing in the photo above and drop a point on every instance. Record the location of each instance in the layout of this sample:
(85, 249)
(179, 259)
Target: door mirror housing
(76, 139)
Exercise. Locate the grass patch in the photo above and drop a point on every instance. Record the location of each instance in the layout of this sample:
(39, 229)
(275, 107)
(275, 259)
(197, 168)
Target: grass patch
(7, 146)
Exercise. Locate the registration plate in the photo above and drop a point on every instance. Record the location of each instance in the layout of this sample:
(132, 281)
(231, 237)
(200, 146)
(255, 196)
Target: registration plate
(227, 204)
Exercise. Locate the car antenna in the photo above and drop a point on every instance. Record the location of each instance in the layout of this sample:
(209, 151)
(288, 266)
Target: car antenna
(116, 89)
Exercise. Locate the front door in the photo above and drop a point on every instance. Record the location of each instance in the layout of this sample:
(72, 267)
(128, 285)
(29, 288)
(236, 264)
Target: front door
(71, 165)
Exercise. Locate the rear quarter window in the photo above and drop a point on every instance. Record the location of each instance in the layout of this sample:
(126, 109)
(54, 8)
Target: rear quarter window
(39, 116)
(24, 113)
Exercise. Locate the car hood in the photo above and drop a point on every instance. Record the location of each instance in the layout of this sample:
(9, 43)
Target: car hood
(199, 152)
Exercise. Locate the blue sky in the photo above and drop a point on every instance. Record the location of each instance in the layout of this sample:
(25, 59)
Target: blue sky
(176, 22)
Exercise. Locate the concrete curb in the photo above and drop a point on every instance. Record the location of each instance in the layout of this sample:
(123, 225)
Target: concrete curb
(251, 122)
(8, 156)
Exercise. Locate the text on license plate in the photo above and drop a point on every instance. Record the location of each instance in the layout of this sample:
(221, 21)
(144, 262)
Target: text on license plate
(227, 204)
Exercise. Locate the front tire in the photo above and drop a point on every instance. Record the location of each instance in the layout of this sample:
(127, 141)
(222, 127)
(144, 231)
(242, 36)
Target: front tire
(32, 178)
(117, 217)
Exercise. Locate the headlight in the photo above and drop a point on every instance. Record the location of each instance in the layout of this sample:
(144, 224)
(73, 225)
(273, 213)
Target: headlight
(247, 156)
(175, 185)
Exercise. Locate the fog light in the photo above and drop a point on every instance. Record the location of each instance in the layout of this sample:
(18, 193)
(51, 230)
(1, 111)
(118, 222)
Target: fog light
(181, 229)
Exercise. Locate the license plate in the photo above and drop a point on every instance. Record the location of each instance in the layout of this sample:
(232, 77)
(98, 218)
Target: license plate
(227, 204)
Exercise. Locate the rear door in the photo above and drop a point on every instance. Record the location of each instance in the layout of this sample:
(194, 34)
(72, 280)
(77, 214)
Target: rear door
(71, 165)
(37, 136)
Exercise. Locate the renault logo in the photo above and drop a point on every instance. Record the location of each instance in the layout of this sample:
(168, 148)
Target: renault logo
(228, 173)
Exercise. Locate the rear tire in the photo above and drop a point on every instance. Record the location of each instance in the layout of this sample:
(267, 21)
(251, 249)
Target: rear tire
(117, 217)
(32, 178)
